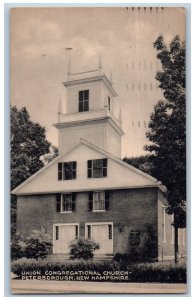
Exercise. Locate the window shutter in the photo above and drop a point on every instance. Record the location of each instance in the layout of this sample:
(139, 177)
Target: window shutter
(80, 95)
(107, 200)
(58, 202)
(73, 201)
(105, 167)
(89, 166)
(74, 167)
(59, 171)
(90, 201)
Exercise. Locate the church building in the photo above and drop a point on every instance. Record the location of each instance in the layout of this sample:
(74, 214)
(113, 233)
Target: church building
(87, 190)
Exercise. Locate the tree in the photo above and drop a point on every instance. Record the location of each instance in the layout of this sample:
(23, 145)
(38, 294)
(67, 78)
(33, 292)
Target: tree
(168, 130)
(144, 163)
(28, 146)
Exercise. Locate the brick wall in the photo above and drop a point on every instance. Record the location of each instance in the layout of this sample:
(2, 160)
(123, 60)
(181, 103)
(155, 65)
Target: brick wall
(135, 209)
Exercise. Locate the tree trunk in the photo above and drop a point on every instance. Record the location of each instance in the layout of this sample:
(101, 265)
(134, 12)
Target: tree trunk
(176, 244)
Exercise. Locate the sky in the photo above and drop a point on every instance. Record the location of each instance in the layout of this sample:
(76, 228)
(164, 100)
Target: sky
(122, 37)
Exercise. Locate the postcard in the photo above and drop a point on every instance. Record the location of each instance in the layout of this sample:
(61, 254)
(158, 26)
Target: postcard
(98, 150)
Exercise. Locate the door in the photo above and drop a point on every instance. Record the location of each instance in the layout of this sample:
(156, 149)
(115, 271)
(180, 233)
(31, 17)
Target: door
(63, 235)
(102, 234)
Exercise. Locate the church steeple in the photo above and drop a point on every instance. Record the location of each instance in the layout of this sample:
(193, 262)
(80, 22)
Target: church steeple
(100, 62)
(90, 112)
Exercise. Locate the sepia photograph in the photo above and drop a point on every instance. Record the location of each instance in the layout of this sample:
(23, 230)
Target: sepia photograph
(98, 150)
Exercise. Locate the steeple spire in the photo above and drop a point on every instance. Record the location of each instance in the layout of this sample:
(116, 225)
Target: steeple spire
(59, 109)
(100, 62)
(69, 67)
(120, 117)
(68, 51)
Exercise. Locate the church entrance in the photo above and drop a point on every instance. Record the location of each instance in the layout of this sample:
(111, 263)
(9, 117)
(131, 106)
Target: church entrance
(102, 233)
(63, 234)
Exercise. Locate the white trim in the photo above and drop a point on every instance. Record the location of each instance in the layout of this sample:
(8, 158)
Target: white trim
(98, 223)
(88, 190)
(63, 224)
(164, 224)
(184, 233)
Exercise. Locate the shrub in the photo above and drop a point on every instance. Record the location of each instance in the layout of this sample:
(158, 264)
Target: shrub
(38, 245)
(142, 272)
(24, 264)
(17, 246)
(83, 249)
(127, 258)
(122, 257)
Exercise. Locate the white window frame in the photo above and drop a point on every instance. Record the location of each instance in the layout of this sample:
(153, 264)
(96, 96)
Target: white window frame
(61, 204)
(99, 210)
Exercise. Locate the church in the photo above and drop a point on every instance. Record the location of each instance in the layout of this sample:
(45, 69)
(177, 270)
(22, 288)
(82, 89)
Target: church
(88, 191)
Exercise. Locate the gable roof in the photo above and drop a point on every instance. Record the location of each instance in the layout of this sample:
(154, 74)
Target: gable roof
(109, 155)
(151, 181)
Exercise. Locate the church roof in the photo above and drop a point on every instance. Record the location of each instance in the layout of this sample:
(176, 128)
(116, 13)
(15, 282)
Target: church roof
(120, 174)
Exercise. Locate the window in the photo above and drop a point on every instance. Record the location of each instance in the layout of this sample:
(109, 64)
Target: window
(99, 201)
(97, 168)
(67, 170)
(83, 100)
(66, 202)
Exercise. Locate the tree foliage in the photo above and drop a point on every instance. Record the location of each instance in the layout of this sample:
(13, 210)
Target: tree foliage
(28, 144)
(37, 245)
(144, 163)
(168, 127)
(28, 147)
